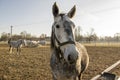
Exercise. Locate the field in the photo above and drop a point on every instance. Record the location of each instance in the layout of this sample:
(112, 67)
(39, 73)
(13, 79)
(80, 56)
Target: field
(33, 63)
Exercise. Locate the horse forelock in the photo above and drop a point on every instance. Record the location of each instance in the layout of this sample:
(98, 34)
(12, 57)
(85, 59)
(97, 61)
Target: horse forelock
(62, 15)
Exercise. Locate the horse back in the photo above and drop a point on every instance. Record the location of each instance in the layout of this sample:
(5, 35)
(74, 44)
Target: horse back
(84, 56)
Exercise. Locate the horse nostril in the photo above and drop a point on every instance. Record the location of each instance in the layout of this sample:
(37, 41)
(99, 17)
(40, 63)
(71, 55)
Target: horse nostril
(70, 59)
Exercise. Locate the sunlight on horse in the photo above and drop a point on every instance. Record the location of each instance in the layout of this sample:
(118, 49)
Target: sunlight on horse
(69, 59)
(16, 44)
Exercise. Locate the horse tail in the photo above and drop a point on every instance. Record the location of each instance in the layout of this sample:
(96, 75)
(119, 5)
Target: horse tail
(9, 41)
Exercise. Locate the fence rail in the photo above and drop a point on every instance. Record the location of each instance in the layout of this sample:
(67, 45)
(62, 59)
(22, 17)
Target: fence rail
(106, 44)
(106, 70)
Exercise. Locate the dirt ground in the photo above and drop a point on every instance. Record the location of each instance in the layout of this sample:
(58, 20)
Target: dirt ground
(33, 63)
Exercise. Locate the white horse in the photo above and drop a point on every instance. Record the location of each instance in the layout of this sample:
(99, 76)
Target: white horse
(31, 43)
(42, 42)
(16, 44)
(69, 59)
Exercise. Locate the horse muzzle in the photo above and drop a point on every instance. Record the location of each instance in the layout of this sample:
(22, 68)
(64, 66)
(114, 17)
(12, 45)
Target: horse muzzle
(72, 58)
(70, 54)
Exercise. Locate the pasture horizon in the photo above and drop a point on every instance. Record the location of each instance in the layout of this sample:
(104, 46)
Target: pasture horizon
(36, 17)
(49, 35)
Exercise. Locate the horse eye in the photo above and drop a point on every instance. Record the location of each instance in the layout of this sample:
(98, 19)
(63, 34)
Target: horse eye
(57, 26)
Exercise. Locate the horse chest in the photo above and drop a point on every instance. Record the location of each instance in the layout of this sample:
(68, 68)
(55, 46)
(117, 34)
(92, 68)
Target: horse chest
(62, 70)
(64, 73)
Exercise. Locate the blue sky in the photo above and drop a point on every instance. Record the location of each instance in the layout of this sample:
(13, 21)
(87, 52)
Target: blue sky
(35, 16)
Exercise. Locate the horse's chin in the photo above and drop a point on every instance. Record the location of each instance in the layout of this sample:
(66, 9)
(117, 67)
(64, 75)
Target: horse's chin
(71, 68)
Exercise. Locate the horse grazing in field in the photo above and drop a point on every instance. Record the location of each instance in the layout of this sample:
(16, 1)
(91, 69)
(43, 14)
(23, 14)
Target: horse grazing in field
(16, 44)
(32, 43)
(69, 59)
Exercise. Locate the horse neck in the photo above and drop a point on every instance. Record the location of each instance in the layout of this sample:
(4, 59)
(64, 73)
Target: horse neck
(9, 41)
(20, 42)
(52, 40)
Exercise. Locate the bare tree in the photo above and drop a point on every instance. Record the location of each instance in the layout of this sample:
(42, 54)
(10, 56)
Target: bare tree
(43, 36)
(91, 36)
(117, 37)
(23, 34)
(4, 36)
(78, 35)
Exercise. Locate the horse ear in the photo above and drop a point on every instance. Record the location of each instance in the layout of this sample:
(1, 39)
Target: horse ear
(71, 13)
(55, 10)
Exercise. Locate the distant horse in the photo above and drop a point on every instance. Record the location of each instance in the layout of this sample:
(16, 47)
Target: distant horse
(42, 42)
(31, 43)
(16, 44)
(69, 59)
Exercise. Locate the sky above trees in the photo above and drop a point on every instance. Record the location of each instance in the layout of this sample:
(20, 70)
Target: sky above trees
(35, 16)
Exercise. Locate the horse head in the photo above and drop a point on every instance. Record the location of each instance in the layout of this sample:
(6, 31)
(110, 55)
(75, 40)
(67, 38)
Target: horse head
(63, 37)
(22, 42)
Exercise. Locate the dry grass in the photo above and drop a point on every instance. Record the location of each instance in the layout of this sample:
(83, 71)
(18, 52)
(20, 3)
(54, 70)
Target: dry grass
(33, 63)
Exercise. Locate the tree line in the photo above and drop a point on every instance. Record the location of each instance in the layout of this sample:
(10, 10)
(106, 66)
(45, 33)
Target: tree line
(90, 36)
(23, 35)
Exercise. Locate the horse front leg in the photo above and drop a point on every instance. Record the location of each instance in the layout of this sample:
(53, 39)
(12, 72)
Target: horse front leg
(75, 78)
(17, 51)
(13, 50)
(10, 50)
(54, 78)
(80, 76)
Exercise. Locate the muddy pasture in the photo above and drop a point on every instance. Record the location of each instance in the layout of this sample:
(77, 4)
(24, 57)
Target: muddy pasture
(33, 63)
